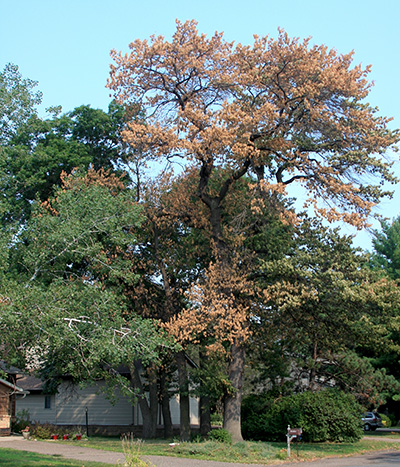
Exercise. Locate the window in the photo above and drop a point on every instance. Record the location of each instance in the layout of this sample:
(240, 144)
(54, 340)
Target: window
(47, 402)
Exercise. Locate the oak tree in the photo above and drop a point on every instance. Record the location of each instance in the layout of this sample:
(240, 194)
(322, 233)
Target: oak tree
(278, 111)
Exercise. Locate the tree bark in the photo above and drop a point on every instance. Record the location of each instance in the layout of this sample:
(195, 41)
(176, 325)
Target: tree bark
(153, 398)
(184, 401)
(165, 407)
(313, 372)
(205, 415)
(147, 409)
(204, 405)
(232, 403)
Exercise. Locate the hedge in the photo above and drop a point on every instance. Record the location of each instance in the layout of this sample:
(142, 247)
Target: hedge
(326, 415)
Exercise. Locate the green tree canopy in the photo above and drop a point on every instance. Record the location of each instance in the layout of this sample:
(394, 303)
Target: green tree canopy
(63, 274)
(41, 150)
(323, 308)
(18, 101)
(386, 243)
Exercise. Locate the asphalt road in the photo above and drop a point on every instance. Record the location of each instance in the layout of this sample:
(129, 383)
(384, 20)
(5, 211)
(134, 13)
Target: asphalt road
(376, 459)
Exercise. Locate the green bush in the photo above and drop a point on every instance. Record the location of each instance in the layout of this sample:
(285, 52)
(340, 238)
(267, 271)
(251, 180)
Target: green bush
(216, 419)
(327, 415)
(386, 420)
(46, 430)
(221, 435)
(21, 421)
(42, 431)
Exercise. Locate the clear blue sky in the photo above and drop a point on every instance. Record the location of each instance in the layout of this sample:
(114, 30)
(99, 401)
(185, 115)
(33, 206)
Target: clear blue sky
(65, 44)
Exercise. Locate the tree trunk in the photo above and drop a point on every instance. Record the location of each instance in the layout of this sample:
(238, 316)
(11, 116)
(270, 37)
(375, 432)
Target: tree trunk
(149, 421)
(223, 253)
(232, 403)
(153, 398)
(204, 405)
(313, 372)
(205, 415)
(165, 407)
(184, 402)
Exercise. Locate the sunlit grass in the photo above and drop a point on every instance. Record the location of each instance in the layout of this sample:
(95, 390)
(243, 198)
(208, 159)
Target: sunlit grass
(12, 458)
(246, 451)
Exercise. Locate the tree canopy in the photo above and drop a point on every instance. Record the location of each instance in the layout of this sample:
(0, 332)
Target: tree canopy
(212, 250)
(281, 109)
(274, 113)
(386, 243)
(18, 101)
(34, 158)
(62, 281)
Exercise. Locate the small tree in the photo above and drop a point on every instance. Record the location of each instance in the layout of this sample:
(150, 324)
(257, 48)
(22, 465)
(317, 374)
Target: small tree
(62, 307)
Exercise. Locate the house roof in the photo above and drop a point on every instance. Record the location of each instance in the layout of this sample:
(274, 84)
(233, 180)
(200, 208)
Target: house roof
(14, 388)
(30, 383)
(9, 369)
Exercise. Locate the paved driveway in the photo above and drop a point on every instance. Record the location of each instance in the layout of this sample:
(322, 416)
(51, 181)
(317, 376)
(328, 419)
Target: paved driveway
(376, 459)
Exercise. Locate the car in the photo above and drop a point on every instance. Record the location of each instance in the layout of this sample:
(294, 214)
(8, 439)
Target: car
(371, 421)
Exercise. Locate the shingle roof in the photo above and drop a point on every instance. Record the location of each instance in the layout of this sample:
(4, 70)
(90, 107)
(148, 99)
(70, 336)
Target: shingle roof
(12, 386)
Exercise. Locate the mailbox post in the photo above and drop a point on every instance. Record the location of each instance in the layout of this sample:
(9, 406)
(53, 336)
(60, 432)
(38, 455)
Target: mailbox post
(292, 433)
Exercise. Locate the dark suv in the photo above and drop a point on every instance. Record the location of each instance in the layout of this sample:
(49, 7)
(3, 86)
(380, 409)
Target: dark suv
(371, 421)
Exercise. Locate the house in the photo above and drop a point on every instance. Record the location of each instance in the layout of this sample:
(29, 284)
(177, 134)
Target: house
(8, 397)
(89, 406)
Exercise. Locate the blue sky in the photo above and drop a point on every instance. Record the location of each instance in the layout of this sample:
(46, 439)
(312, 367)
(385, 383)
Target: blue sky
(65, 45)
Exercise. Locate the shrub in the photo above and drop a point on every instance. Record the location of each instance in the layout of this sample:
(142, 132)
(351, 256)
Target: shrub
(216, 419)
(386, 420)
(132, 450)
(221, 435)
(21, 421)
(46, 430)
(42, 431)
(327, 415)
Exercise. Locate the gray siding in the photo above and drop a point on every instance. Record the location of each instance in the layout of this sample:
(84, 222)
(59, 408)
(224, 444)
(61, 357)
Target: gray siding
(68, 407)
(71, 408)
(34, 404)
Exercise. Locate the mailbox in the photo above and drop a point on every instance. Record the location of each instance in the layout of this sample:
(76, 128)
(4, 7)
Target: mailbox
(292, 433)
(295, 431)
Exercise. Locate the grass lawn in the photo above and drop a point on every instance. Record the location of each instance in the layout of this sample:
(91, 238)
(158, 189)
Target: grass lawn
(244, 452)
(383, 434)
(12, 458)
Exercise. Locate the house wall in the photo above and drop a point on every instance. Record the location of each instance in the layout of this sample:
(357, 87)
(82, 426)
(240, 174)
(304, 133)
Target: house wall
(5, 422)
(71, 407)
(194, 410)
(35, 405)
(68, 407)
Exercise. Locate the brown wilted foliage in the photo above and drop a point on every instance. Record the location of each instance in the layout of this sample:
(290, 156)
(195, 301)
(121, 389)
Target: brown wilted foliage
(274, 113)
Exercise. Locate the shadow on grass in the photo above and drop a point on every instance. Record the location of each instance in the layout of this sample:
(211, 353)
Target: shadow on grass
(12, 458)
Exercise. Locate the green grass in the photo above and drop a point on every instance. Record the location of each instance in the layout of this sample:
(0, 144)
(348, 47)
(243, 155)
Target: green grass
(12, 458)
(246, 452)
(383, 434)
